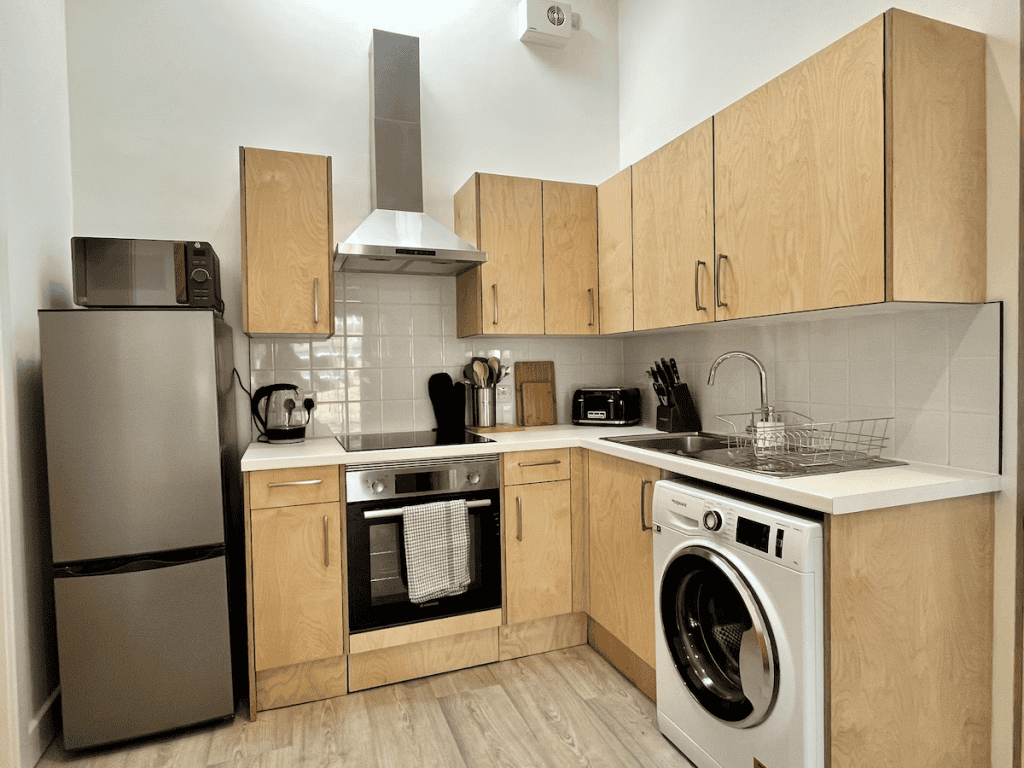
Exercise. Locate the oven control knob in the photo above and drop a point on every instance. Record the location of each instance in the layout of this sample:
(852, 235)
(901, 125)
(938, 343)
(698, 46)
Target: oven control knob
(713, 520)
(200, 275)
(377, 486)
(473, 478)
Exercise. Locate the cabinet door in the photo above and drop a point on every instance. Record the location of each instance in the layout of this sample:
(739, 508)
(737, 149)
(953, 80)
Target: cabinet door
(621, 559)
(673, 236)
(538, 550)
(800, 185)
(615, 252)
(287, 269)
(512, 279)
(570, 258)
(297, 584)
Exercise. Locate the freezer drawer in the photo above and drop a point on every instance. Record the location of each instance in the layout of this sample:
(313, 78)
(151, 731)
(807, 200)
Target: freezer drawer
(143, 652)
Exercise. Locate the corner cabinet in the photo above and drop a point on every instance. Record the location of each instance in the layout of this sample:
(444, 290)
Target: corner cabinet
(287, 243)
(296, 607)
(619, 497)
(615, 252)
(856, 177)
(541, 270)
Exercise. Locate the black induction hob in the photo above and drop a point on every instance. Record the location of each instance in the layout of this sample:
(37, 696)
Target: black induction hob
(386, 440)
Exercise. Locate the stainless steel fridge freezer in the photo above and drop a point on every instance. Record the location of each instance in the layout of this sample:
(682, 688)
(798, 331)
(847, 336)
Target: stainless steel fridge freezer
(143, 479)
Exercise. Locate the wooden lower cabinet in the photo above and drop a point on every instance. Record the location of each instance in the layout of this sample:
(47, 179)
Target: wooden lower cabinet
(621, 560)
(908, 635)
(296, 609)
(538, 551)
(297, 584)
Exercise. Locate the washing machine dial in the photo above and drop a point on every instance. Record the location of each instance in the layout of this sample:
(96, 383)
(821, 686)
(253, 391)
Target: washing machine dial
(713, 520)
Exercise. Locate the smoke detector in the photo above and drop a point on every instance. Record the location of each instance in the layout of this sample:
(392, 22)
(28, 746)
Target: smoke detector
(544, 22)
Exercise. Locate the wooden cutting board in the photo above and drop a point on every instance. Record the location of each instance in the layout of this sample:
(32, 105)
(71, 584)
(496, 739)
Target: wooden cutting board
(535, 393)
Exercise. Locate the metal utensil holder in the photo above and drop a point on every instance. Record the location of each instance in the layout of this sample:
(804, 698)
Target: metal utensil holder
(792, 435)
(484, 406)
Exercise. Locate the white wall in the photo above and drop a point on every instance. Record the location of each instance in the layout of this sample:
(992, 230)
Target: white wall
(35, 228)
(683, 60)
(163, 94)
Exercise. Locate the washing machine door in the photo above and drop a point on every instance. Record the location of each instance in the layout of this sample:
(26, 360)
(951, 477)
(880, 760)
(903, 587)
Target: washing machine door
(719, 637)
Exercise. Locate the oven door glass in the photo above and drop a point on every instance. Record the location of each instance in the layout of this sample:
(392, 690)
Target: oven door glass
(378, 590)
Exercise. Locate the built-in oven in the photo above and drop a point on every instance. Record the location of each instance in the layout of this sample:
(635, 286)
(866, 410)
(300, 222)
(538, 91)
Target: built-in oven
(377, 495)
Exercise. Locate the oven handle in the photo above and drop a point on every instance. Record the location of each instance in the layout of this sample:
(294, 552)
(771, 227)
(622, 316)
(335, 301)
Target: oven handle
(373, 514)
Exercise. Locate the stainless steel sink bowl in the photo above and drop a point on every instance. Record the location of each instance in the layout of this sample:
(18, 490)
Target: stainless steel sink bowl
(685, 444)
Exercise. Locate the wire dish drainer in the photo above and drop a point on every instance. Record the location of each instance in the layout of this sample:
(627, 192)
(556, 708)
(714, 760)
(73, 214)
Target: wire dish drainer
(792, 436)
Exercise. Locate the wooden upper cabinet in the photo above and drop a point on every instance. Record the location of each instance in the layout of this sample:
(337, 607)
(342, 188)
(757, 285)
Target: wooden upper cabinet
(673, 233)
(287, 243)
(800, 184)
(858, 176)
(501, 215)
(571, 299)
(615, 252)
(935, 74)
(620, 494)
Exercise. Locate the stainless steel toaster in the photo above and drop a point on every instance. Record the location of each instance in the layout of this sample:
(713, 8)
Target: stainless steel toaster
(614, 406)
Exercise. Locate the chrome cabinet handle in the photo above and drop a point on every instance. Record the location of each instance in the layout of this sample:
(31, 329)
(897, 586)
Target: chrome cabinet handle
(643, 520)
(316, 301)
(295, 482)
(327, 543)
(591, 292)
(718, 280)
(519, 518)
(494, 293)
(696, 285)
(540, 463)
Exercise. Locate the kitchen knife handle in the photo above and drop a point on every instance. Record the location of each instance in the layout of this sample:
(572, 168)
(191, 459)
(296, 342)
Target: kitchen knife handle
(643, 496)
(696, 285)
(295, 482)
(519, 518)
(494, 293)
(590, 291)
(539, 463)
(327, 543)
(718, 279)
(316, 301)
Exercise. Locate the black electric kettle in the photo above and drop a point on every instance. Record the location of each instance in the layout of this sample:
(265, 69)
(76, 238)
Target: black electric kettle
(278, 411)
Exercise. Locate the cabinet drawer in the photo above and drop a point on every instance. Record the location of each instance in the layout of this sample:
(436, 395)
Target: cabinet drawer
(290, 487)
(535, 466)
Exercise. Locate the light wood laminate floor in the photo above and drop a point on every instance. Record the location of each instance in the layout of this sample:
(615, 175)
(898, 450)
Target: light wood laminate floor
(564, 708)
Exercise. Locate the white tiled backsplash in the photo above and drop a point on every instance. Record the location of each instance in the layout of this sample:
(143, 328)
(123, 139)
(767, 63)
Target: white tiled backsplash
(392, 333)
(936, 369)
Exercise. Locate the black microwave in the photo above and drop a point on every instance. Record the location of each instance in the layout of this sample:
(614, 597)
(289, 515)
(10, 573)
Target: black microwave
(127, 272)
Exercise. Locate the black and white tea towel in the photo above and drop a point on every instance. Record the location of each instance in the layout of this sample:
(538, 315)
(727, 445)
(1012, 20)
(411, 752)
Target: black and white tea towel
(436, 549)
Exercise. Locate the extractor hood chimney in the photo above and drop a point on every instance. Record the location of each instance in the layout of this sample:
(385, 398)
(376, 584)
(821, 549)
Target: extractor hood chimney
(397, 237)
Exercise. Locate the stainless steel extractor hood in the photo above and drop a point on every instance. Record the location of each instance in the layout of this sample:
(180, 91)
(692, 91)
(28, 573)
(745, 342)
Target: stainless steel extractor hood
(398, 237)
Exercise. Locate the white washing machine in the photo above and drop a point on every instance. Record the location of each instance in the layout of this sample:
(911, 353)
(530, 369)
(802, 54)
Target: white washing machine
(739, 635)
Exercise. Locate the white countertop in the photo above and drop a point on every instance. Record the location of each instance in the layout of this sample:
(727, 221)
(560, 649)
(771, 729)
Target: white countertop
(838, 493)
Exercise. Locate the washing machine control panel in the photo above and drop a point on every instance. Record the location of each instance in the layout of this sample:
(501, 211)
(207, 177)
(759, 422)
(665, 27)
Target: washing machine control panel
(770, 534)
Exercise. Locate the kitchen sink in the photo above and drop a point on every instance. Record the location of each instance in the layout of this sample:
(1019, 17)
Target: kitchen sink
(686, 444)
(735, 453)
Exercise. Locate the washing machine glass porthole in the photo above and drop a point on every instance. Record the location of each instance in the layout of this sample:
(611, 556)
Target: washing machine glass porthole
(719, 637)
